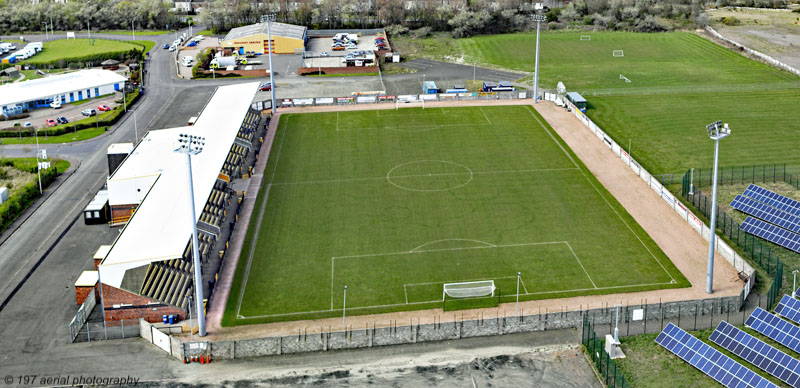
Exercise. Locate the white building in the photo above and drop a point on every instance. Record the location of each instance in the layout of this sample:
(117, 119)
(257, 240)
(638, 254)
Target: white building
(80, 85)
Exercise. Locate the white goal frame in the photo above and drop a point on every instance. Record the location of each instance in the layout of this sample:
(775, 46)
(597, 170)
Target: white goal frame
(479, 288)
(618, 53)
(586, 37)
(627, 81)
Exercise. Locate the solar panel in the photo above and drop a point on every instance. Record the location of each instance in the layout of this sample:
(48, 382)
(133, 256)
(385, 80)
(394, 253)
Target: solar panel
(758, 353)
(773, 327)
(710, 361)
(772, 233)
(767, 213)
(773, 199)
(789, 308)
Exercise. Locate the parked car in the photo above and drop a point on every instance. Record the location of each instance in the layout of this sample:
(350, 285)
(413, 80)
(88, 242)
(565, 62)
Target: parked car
(27, 124)
(51, 123)
(104, 108)
(338, 48)
(166, 46)
(62, 120)
(55, 104)
(324, 54)
(172, 48)
(191, 44)
(88, 112)
(267, 86)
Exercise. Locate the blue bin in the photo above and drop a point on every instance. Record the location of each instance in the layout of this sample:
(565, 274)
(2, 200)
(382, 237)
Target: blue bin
(164, 319)
(171, 319)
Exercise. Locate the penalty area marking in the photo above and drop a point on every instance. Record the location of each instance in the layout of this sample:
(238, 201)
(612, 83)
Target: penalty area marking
(490, 246)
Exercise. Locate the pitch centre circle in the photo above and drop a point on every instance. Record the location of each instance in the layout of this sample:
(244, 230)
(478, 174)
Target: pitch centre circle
(429, 175)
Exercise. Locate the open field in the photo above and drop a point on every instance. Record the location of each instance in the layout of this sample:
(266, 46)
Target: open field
(395, 203)
(773, 32)
(73, 48)
(668, 131)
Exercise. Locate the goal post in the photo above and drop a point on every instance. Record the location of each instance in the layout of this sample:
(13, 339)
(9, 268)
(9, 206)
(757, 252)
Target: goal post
(469, 289)
(618, 53)
(586, 37)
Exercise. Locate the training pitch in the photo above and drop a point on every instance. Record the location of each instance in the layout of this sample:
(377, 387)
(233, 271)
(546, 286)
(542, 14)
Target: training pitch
(394, 203)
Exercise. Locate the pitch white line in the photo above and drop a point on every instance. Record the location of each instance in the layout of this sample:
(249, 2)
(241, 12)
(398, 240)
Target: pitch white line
(523, 284)
(456, 281)
(406, 292)
(422, 175)
(337, 121)
(484, 115)
(424, 127)
(449, 249)
(332, 261)
(581, 264)
(454, 239)
(602, 196)
(252, 250)
(439, 300)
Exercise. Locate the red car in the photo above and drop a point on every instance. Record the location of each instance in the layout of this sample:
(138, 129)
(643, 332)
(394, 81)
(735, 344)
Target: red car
(51, 123)
(265, 87)
(103, 108)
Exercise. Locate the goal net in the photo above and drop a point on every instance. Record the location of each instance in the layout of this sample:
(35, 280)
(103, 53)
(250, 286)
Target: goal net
(469, 289)
(618, 53)
(586, 37)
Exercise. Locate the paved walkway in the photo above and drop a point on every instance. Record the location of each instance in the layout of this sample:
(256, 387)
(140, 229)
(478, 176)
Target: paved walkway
(674, 236)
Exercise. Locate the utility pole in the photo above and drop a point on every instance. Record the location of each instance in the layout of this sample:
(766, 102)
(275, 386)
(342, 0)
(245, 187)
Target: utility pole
(716, 131)
(538, 19)
(193, 145)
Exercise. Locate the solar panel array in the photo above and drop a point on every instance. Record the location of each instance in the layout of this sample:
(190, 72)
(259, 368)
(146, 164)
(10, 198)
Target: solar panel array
(773, 199)
(758, 353)
(772, 233)
(710, 361)
(789, 308)
(766, 213)
(773, 327)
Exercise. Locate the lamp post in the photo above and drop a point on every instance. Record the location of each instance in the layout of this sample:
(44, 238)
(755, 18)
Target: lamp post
(344, 307)
(518, 273)
(270, 18)
(538, 19)
(716, 131)
(193, 145)
(38, 153)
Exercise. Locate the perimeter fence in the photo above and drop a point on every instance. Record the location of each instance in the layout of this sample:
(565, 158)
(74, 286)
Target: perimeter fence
(605, 365)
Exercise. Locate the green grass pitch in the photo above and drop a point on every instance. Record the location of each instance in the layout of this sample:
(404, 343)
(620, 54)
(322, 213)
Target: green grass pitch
(680, 83)
(395, 203)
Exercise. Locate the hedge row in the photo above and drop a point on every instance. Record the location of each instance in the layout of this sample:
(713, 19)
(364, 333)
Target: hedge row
(110, 118)
(19, 201)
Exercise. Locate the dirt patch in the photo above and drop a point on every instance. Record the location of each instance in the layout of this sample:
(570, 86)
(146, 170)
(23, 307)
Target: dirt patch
(772, 32)
(14, 179)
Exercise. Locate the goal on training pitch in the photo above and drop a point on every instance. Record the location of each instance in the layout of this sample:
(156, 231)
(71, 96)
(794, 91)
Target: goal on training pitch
(586, 37)
(618, 53)
(469, 289)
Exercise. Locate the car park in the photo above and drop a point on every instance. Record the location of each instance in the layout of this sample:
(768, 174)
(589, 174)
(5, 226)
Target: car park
(88, 112)
(62, 120)
(51, 123)
(104, 108)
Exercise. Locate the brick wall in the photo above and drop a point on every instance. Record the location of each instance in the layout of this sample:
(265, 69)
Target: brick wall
(137, 306)
(122, 213)
(82, 292)
(337, 70)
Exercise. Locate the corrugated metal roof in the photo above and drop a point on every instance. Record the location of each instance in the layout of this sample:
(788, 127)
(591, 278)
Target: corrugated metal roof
(278, 29)
(38, 89)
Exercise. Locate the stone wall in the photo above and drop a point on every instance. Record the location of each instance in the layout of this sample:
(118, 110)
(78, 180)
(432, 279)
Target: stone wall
(396, 335)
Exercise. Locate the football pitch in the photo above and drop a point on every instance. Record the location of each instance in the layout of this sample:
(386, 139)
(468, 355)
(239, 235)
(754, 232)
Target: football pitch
(395, 203)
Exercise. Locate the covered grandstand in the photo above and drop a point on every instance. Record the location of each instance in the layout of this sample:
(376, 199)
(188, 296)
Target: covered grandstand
(147, 272)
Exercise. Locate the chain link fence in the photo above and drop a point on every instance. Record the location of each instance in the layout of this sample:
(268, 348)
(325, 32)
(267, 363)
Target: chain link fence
(97, 331)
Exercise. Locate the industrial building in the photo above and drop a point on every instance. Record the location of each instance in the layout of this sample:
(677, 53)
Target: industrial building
(147, 271)
(19, 97)
(286, 38)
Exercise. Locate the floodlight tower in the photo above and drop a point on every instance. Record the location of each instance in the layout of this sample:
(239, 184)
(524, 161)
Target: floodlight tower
(193, 145)
(538, 19)
(716, 131)
(270, 18)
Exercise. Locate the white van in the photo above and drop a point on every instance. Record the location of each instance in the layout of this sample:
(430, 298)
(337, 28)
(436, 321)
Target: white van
(187, 61)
